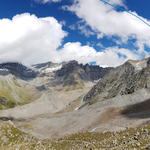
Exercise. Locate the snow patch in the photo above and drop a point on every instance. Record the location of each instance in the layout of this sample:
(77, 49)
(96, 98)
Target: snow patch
(93, 130)
(139, 64)
(48, 68)
(52, 69)
(95, 81)
(77, 108)
(3, 69)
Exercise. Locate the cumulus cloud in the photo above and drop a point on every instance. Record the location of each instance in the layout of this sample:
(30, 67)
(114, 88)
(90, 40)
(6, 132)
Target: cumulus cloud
(83, 28)
(106, 20)
(111, 57)
(29, 39)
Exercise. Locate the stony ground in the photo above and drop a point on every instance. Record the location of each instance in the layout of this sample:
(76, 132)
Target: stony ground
(52, 100)
(137, 138)
(110, 115)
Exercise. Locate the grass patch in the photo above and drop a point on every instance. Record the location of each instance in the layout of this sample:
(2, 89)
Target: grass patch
(12, 139)
(13, 94)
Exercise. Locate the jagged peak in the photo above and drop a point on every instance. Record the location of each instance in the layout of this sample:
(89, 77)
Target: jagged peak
(139, 64)
(18, 69)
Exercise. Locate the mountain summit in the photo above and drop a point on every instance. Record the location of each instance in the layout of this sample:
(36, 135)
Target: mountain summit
(72, 72)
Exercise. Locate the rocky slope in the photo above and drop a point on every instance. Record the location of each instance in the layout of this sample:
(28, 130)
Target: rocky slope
(123, 80)
(72, 72)
(14, 92)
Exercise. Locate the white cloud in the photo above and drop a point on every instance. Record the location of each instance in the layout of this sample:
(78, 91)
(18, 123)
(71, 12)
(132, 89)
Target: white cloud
(100, 35)
(117, 2)
(111, 57)
(63, 23)
(29, 39)
(100, 45)
(47, 1)
(72, 27)
(104, 19)
(84, 30)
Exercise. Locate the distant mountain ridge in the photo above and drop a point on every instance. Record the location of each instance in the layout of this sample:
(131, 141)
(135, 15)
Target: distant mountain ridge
(62, 70)
(72, 71)
(66, 73)
(18, 70)
(41, 79)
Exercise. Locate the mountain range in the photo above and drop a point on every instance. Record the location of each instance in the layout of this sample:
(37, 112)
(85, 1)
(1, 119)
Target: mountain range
(40, 78)
(52, 100)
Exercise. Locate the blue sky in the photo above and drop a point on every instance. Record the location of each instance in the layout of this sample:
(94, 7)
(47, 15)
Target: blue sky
(106, 44)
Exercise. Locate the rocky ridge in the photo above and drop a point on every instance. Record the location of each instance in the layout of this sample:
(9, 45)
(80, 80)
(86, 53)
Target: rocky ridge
(123, 80)
(72, 72)
(17, 70)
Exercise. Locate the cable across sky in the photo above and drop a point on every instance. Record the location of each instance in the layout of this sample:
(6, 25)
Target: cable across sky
(123, 9)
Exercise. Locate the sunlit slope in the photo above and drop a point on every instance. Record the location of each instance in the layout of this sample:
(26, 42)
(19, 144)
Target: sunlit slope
(14, 92)
(124, 80)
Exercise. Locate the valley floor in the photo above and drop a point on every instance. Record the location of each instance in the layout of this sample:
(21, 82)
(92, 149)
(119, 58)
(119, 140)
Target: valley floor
(112, 115)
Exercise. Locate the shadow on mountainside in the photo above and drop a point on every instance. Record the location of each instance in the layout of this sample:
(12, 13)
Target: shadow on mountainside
(140, 110)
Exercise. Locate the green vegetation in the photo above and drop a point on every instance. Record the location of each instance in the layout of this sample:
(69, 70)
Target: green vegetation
(12, 139)
(13, 94)
(137, 138)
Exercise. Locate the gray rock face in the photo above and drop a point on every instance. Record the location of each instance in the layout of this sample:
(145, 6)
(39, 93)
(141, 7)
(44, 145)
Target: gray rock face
(95, 72)
(42, 65)
(4, 72)
(67, 73)
(18, 70)
(123, 80)
(72, 71)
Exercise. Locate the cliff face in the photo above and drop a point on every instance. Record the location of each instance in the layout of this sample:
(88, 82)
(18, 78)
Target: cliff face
(72, 71)
(123, 80)
(95, 72)
(18, 70)
(71, 74)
